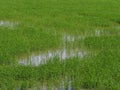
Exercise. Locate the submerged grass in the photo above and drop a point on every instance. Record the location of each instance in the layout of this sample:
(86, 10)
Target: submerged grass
(39, 26)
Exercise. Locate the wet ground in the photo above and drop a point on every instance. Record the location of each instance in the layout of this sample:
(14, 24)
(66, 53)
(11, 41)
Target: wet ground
(69, 49)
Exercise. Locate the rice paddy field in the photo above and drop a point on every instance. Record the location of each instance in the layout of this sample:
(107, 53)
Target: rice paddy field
(59, 45)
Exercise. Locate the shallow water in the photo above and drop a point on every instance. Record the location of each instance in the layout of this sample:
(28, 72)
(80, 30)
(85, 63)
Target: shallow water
(7, 24)
(68, 49)
(61, 54)
(62, 86)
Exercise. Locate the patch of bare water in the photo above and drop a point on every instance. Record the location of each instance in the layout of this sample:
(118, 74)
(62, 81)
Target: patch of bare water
(7, 24)
(50, 55)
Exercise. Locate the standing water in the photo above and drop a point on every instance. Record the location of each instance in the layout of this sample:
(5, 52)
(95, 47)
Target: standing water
(62, 54)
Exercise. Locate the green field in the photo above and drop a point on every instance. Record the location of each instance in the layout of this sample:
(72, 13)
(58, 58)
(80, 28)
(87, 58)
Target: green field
(59, 44)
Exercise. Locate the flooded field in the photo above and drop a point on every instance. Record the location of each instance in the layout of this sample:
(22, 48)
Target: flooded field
(59, 45)
(69, 49)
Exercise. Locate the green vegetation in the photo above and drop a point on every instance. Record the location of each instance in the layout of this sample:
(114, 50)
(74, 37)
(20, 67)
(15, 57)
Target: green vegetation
(28, 26)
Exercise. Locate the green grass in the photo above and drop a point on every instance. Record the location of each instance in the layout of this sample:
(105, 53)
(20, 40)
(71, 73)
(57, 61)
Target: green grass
(100, 72)
(41, 25)
(14, 43)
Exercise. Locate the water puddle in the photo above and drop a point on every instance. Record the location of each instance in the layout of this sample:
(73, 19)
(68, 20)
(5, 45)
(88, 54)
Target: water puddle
(98, 32)
(72, 38)
(68, 49)
(50, 55)
(62, 86)
(7, 24)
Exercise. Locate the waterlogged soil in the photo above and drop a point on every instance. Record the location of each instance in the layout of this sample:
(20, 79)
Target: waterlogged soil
(69, 48)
